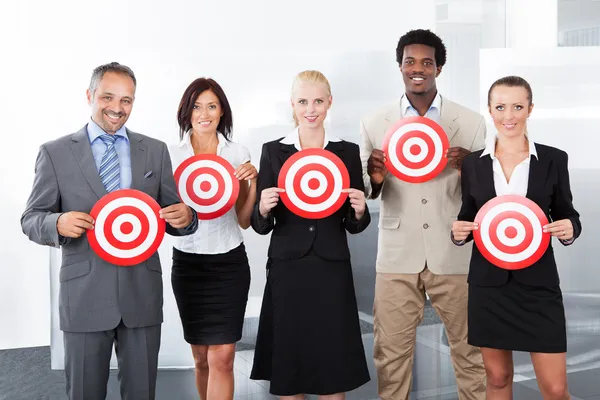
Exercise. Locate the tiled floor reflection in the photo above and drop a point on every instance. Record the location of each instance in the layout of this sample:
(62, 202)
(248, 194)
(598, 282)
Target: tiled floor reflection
(25, 374)
(433, 376)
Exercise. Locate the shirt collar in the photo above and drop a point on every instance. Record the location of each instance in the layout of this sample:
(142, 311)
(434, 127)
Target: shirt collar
(94, 131)
(294, 139)
(435, 105)
(490, 149)
(186, 142)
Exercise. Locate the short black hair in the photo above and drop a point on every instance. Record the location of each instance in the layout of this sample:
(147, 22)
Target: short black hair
(426, 37)
(115, 67)
(186, 106)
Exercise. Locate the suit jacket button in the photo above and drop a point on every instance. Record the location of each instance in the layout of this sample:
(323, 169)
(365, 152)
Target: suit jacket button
(425, 226)
(311, 228)
(424, 201)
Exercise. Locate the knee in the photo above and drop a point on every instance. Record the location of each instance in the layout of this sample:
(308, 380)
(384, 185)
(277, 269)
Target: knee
(200, 357)
(221, 358)
(498, 378)
(556, 391)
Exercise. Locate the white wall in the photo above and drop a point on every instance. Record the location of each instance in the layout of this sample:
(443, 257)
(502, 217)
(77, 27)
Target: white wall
(253, 49)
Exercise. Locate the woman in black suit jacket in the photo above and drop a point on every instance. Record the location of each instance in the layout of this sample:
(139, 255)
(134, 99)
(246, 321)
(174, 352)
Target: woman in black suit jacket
(517, 310)
(309, 338)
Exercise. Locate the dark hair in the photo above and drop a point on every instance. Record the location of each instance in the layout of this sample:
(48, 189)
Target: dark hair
(99, 72)
(512, 81)
(186, 106)
(426, 37)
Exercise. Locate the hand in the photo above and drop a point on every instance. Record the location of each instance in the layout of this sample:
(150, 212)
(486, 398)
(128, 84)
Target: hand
(357, 201)
(562, 229)
(74, 223)
(376, 167)
(177, 215)
(462, 229)
(246, 172)
(268, 199)
(455, 156)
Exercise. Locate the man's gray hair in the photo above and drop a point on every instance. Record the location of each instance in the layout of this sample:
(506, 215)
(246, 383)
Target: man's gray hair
(110, 67)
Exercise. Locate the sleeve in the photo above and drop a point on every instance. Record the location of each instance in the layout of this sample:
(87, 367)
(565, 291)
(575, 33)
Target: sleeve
(561, 206)
(43, 206)
(352, 224)
(167, 195)
(468, 209)
(266, 179)
(372, 190)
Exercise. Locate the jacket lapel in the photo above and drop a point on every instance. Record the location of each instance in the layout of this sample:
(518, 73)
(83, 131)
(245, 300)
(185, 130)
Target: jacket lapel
(286, 151)
(485, 176)
(139, 154)
(83, 154)
(449, 119)
(538, 173)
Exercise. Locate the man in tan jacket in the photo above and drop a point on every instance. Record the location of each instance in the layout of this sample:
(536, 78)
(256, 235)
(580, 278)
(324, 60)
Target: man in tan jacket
(415, 254)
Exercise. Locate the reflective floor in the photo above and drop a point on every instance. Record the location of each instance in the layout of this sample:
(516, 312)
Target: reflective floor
(26, 375)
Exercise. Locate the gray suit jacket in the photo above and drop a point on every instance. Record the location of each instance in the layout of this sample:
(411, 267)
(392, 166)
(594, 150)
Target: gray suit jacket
(94, 294)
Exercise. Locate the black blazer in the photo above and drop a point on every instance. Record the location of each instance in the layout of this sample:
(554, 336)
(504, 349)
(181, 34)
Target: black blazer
(548, 187)
(294, 236)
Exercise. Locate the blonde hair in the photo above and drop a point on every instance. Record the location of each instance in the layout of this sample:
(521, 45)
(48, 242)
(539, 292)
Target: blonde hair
(309, 76)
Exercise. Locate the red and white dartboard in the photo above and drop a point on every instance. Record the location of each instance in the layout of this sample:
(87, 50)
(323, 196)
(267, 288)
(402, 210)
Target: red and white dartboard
(510, 233)
(416, 149)
(313, 180)
(206, 183)
(127, 228)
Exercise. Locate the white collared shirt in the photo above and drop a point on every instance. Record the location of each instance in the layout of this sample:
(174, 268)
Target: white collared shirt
(519, 180)
(294, 138)
(222, 234)
(434, 112)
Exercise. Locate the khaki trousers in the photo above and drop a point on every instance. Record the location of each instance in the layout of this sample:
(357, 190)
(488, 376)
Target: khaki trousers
(398, 310)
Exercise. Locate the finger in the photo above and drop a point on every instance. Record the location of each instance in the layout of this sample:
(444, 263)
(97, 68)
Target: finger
(80, 223)
(274, 190)
(556, 228)
(83, 216)
(349, 190)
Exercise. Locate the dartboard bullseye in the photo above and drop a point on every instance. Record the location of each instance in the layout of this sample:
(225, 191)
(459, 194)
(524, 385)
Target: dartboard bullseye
(127, 229)
(206, 183)
(313, 180)
(416, 149)
(510, 233)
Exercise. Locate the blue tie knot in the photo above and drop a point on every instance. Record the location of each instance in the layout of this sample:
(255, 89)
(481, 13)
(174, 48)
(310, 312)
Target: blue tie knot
(108, 139)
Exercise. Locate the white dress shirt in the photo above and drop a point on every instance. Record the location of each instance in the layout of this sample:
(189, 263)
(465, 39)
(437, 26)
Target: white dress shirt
(294, 138)
(222, 234)
(433, 113)
(519, 179)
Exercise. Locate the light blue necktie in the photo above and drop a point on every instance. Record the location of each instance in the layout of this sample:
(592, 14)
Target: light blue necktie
(109, 167)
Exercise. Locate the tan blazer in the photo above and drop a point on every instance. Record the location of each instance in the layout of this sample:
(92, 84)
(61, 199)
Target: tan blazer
(415, 219)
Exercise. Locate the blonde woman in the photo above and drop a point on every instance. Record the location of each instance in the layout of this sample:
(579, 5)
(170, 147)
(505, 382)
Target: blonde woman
(309, 339)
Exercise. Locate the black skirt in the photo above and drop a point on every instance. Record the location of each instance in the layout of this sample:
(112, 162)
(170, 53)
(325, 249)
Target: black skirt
(211, 291)
(309, 338)
(517, 317)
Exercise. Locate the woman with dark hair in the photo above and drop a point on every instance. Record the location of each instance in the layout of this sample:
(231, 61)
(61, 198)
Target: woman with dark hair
(211, 275)
(519, 310)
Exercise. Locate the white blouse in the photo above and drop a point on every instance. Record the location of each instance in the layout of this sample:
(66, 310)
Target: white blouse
(222, 234)
(519, 179)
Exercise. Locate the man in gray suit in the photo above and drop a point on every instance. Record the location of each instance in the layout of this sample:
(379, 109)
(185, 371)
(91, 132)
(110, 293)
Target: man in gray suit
(101, 303)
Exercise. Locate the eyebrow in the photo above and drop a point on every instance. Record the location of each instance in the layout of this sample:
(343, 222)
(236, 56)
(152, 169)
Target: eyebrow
(209, 103)
(112, 94)
(413, 58)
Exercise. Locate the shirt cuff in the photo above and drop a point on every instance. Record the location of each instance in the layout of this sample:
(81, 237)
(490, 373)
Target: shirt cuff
(457, 242)
(567, 242)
